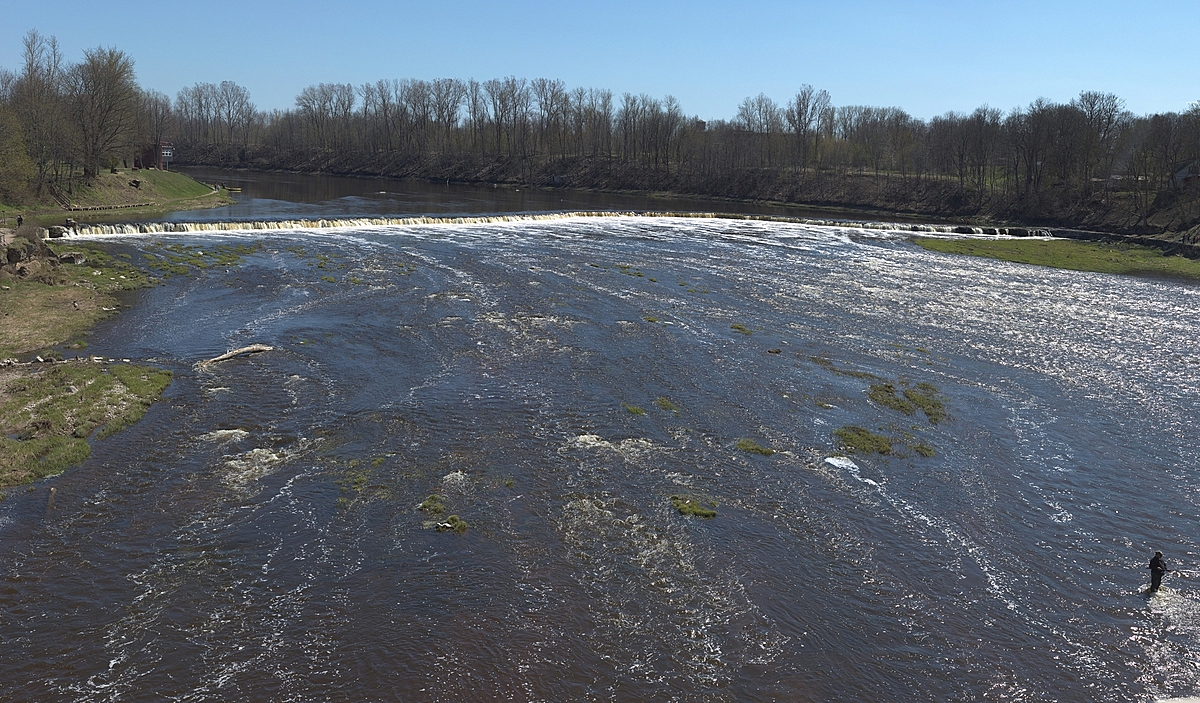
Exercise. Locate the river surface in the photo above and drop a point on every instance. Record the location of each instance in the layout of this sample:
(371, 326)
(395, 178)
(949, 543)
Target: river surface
(257, 535)
(293, 196)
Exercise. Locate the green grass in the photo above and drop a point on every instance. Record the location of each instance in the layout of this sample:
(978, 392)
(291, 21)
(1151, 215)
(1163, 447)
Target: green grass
(862, 440)
(48, 416)
(925, 397)
(692, 506)
(634, 410)
(432, 505)
(885, 394)
(738, 327)
(453, 524)
(180, 259)
(354, 480)
(665, 403)
(1071, 254)
(829, 366)
(749, 445)
(59, 303)
(171, 185)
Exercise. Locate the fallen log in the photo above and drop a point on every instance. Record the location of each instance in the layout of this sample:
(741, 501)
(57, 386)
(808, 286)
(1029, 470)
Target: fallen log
(252, 349)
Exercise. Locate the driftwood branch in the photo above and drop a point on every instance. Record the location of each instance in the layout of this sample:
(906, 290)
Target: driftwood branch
(252, 349)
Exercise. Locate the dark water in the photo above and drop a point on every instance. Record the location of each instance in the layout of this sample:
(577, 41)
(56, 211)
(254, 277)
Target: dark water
(286, 196)
(256, 536)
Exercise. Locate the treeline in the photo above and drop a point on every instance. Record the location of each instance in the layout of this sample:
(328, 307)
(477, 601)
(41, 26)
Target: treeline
(1046, 160)
(58, 118)
(1087, 161)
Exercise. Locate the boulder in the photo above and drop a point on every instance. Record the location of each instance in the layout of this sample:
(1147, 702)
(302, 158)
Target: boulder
(57, 232)
(20, 250)
(26, 269)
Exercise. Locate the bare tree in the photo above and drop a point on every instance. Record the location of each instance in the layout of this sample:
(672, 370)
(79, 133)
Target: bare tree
(157, 118)
(104, 100)
(551, 97)
(477, 114)
(235, 110)
(803, 114)
(761, 117)
(447, 95)
(38, 104)
(17, 167)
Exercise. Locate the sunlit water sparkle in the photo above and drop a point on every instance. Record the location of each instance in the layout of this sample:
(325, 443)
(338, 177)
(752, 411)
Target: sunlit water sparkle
(256, 535)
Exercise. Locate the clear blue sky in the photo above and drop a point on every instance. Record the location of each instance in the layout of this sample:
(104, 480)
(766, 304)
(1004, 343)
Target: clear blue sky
(925, 56)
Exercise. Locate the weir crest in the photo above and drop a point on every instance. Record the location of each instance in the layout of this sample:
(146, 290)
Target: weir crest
(332, 223)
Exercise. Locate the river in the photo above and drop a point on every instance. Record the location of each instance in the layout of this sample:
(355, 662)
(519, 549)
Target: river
(257, 535)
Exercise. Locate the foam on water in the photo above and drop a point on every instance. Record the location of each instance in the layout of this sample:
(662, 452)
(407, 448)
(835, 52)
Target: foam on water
(380, 222)
(494, 362)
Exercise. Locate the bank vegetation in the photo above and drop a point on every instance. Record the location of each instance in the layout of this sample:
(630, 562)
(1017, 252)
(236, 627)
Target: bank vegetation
(53, 407)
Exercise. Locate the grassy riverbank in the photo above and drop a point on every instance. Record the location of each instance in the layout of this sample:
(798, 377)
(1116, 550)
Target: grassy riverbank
(108, 194)
(1074, 255)
(49, 411)
(54, 302)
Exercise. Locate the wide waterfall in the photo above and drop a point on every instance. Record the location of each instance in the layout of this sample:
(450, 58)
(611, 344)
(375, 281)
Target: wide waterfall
(163, 227)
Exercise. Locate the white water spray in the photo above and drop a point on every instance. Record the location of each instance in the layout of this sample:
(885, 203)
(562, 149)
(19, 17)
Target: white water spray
(167, 227)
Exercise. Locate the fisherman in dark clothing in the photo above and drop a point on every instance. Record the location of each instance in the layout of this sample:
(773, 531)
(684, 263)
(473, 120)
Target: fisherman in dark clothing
(1158, 567)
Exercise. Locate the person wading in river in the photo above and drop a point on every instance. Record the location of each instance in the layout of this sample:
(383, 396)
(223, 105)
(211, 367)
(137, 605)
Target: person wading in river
(1158, 567)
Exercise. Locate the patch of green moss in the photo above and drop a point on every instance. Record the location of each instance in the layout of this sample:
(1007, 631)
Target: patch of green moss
(180, 259)
(634, 410)
(923, 449)
(665, 403)
(650, 319)
(749, 445)
(832, 368)
(453, 524)
(739, 327)
(354, 480)
(691, 505)
(925, 397)
(432, 505)
(885, 394)
(47, 416)
(862, 440)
